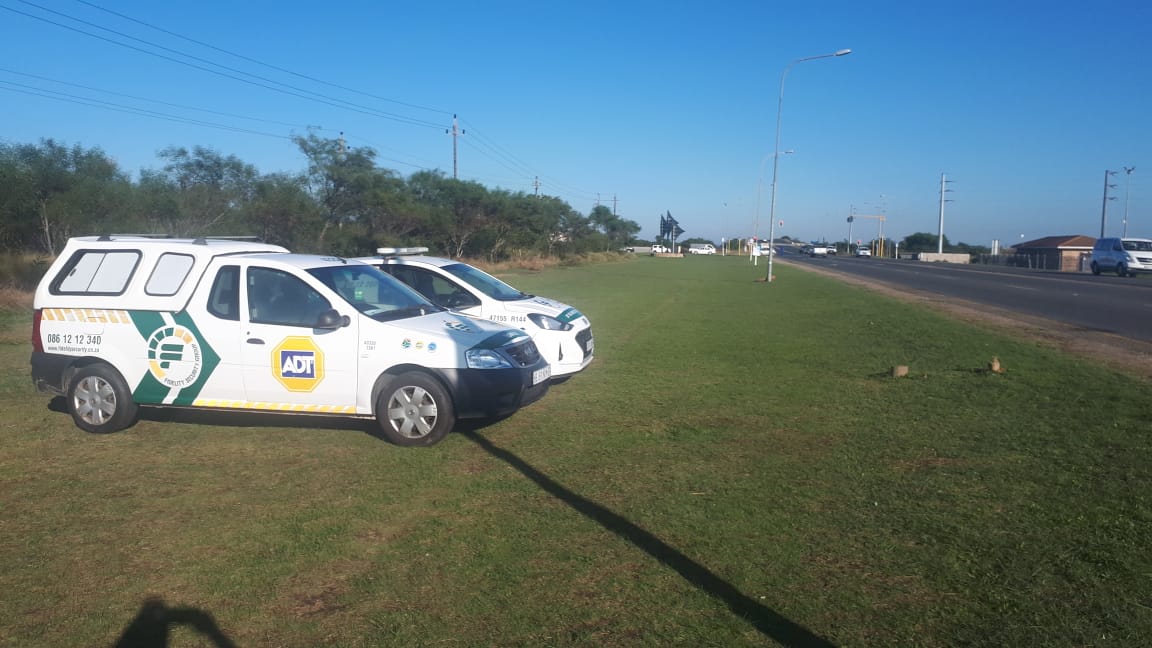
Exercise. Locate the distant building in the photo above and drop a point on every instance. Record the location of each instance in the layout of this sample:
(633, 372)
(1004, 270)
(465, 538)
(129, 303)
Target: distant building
(1064, 253)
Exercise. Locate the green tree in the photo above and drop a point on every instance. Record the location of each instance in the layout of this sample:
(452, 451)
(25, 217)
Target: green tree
(199, 192)
(282, 212)
(921, 242)
(618, 232)
(58, 192)
(336, 179)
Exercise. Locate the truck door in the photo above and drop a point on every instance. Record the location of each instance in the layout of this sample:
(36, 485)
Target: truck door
(288, 364)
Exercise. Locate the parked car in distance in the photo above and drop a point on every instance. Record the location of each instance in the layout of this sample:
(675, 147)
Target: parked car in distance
(660, 249)
(702, 248)
(561, 333)
(863, 252)
(1124, 256)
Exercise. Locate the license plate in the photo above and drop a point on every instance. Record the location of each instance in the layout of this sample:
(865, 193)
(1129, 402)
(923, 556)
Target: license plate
(540, 375)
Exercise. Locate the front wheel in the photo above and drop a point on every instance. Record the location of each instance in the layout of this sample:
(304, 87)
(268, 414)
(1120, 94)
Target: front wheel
(1121, 270)
(414, 409)
(100, 401)
(1095, 268)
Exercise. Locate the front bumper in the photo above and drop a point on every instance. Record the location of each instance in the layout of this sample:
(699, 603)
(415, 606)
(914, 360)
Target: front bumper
(491, 393)
(567, 352)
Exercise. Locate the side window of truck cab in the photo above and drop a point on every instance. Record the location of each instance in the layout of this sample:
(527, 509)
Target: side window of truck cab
(276, 297)
(224, 299)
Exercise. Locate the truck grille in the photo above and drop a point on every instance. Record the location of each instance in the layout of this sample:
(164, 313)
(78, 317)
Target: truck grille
(525, 353)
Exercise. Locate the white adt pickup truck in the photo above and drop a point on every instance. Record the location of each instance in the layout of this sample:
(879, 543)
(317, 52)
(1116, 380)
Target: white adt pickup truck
(122, 321)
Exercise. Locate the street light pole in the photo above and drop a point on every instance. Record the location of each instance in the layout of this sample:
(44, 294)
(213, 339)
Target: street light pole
(776, 154)
(759, 184)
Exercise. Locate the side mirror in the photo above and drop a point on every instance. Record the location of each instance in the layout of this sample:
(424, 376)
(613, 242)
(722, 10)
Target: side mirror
(330, 319)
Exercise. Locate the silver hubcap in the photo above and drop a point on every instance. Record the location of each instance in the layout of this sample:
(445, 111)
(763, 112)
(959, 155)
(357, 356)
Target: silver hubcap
(94, 400)
(412, 412)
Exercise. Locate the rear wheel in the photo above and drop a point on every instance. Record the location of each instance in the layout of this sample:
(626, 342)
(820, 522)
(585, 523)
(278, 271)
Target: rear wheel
(414, 409)
(100, 401)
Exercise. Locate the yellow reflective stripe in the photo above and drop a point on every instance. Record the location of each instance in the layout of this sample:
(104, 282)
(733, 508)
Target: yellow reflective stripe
(85, 315)
(275, 407)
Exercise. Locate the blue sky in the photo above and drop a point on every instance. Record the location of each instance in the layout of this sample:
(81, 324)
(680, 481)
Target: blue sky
(646, 107)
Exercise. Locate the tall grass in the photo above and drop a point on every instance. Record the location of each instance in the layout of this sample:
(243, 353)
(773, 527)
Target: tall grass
(22, 271)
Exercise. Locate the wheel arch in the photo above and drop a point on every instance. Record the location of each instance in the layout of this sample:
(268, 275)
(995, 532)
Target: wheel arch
(82, 362)
(391, 372)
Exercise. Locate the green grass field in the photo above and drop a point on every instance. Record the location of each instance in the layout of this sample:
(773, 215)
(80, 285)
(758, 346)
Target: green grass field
(737, 467)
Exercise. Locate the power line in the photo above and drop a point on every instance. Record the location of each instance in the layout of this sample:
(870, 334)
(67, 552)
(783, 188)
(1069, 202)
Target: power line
(95, 103)
(155, 101)
(258, 62)
(485, 146)
(291, 90)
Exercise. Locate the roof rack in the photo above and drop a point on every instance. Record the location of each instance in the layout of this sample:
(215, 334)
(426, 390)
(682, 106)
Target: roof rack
(108, 237)
(392, 251)
(199, 240)
(203, 240)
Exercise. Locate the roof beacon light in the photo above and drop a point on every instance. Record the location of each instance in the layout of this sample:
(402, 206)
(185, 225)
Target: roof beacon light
(389, 251)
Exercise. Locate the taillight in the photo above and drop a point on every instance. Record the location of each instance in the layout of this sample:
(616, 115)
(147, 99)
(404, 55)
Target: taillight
(37, 345)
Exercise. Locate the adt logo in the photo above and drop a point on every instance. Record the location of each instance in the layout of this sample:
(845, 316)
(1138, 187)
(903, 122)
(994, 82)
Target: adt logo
(298, 364)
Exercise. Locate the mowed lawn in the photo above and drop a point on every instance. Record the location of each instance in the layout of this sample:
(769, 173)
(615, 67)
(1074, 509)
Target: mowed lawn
(737, 467)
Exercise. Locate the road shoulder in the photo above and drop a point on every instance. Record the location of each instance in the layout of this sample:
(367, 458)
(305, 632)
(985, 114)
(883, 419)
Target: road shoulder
(1132, 357)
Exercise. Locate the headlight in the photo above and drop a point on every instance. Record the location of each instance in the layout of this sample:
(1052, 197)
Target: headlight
(485, 359)
(548, 323)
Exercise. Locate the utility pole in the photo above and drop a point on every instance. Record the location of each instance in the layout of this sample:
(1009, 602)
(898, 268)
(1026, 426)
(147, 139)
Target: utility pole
(940, 232)
(613, 204)
(455, 132)
(1127, 185)
(1104, 208)
(536, 186)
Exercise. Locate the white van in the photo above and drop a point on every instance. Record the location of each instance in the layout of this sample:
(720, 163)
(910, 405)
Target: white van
(1124, 256)
(562, 334)
(222, 324)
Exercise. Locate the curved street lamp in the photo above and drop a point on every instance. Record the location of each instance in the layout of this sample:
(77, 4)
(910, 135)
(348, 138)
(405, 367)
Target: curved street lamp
(776, 153)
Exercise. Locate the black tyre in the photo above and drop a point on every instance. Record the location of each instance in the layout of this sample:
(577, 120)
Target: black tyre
(100, 401)
(414, 409)
(1095, 268)
(1121, 270)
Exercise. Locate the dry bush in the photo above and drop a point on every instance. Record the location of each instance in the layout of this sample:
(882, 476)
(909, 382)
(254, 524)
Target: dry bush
(12, 298)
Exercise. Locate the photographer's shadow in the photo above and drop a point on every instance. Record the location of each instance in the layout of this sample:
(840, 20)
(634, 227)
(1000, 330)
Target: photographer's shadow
(155, 621)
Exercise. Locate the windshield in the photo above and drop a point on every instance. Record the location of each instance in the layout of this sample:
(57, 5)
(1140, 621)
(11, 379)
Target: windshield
(374, 293)
(1138, 246)
(485, 282)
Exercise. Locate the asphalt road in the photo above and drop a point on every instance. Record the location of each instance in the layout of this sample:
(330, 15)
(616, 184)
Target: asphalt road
(1104, 303)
